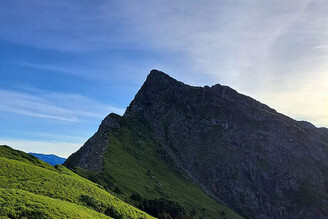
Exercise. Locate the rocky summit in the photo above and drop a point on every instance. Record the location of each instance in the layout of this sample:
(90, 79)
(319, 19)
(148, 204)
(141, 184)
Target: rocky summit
(245, 155)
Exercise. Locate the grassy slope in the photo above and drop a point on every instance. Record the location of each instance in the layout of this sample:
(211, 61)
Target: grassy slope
(54, 185)
(9, 153)
(16, 203)
(136, 164)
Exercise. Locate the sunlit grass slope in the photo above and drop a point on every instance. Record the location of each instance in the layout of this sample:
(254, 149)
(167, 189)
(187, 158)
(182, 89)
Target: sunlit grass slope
(35, 189)
(16, 203)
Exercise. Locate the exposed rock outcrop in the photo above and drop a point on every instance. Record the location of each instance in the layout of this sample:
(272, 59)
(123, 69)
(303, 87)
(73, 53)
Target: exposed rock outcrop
(255, 160)
(90, 156)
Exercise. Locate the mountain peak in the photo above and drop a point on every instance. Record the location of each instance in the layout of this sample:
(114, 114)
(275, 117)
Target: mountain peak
(157, 73)
(224, 141)
(159, 78)
(157, 83)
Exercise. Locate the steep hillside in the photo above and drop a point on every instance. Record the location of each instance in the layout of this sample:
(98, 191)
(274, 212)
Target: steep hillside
(49, 158)
(34, 189)
(137, 168)
(241, 152)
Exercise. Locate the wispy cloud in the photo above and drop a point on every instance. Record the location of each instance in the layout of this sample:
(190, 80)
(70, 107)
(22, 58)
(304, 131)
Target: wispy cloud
(321, 47)
(81, 26)
(268, 49)
(51, 136)
(261, 48)
(53, 105)
(60, 69)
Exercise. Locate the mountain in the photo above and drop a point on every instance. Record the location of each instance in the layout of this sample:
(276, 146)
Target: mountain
(49, 158)
(177, 141)
(31, 188)
(124, 158)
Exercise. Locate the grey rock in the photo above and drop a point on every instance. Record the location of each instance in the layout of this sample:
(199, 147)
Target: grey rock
(258, 162)
(91, 153)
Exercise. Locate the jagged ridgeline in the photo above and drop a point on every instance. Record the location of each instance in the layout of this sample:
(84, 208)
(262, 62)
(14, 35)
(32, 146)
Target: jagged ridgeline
(31, 188)
(190, 151)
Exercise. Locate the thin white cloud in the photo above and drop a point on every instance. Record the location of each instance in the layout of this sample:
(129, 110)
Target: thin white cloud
(81, 26)
(321, 47)
(104, 70)
(52, 105)
(266, 49)
(64, 70)
(50, 136)
(261, 48)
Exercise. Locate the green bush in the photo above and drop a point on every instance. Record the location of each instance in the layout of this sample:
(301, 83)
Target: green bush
(92, 202)
(136, 197)
(162, 206)
(112, 212)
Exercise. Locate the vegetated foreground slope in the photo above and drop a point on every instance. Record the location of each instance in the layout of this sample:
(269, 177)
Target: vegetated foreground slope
(34, 189)
(17, 203)
(49, 158)
(256, 161)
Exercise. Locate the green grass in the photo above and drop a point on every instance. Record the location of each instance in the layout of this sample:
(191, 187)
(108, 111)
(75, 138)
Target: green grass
(42, 185)
(16, 203)
(8, 152)
(135, 164)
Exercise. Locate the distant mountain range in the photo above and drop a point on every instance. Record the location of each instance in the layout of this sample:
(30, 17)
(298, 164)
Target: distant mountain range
(194, 145)
(49, 158)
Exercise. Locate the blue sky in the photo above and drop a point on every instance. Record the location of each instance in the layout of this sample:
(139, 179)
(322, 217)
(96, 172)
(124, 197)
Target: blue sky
(65, 65)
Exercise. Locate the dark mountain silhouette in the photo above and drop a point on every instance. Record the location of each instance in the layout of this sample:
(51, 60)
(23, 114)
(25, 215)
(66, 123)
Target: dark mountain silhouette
(242, 153)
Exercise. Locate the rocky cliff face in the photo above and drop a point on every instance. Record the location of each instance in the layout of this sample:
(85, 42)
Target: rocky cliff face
(255, 160)
(90, 156)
